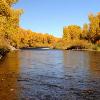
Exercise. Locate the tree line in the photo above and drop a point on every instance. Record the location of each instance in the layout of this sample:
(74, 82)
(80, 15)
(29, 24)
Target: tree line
(11, 34)
(87, 37)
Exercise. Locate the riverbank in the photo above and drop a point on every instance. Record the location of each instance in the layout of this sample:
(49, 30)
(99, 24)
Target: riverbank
(78, 49)
(85, 50)
(3, 52)
(47, 48)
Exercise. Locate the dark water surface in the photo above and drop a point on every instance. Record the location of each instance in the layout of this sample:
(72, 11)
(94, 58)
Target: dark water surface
(50, 75)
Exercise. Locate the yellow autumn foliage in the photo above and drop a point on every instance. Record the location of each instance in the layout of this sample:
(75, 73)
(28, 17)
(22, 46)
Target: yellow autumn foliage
(12, 34)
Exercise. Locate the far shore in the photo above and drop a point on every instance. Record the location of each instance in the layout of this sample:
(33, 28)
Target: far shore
(3, 52)
(47, 48)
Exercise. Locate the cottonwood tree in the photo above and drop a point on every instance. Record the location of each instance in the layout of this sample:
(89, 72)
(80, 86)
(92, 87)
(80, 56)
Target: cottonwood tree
(94, 27)
(9, 19)
(71, 32)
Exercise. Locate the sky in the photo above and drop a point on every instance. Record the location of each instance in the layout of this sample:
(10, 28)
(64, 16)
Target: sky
(50, 16)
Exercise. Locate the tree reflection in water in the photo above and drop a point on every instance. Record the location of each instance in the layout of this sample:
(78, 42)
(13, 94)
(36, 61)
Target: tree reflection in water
(9, 72)
(58, 74)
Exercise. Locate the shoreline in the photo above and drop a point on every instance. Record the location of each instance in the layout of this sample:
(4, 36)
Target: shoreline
(43, 48)
(3, 52)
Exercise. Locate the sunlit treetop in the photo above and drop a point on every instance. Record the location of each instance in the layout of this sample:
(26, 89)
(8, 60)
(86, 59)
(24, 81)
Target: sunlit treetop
(10, 2)
(9, 17)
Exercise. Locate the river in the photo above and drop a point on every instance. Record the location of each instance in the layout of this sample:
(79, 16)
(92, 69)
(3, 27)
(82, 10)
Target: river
(50, 75)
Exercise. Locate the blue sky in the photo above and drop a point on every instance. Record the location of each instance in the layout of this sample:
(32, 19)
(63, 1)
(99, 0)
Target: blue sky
(50, 16)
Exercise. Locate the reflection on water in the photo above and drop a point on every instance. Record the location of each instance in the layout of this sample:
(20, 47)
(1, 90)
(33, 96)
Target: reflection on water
(76, 63)
(94, 64)
(42, 62)
(50, 74)
(83, 68)
(9, 69)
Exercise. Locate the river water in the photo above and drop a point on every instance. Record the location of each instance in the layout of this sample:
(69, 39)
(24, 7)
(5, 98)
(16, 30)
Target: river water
(50, 75)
